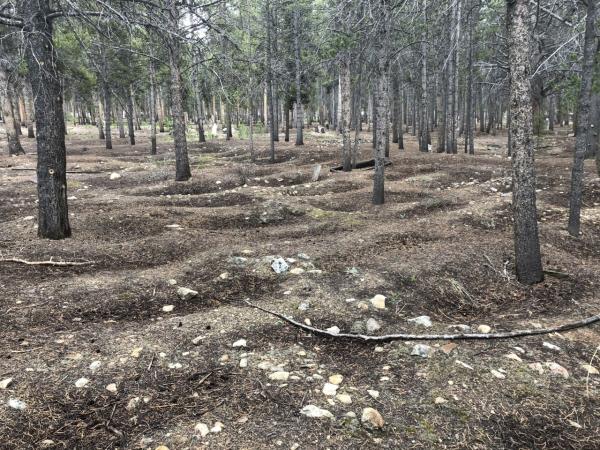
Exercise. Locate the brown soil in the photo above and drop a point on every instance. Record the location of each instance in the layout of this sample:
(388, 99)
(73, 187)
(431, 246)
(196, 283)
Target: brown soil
(426, 250)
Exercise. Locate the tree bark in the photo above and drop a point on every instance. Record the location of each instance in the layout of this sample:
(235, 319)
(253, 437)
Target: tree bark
(345, 110)
(527, 245)
(152, 70)
(590, 48)
(297, 52)
(53, 214)
(14, 143)
(130, 118)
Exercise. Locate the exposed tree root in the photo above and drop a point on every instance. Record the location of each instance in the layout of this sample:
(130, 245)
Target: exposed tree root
(432, 337)
(47, 263)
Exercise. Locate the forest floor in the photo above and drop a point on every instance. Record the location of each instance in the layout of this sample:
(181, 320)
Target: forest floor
(441, 246)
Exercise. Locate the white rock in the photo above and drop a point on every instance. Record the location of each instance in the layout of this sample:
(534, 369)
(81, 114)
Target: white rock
(498, 375)
(15, 403)
(297, 270)
(82, 382)
(550, 346)
(217, 427)
(514, 357)
(5, 383)
(168, 308)
(424, 321)
(591, 370)
(336, 379)
(279, 376)
(95, 365)
(344, 398)
(112, 387)
(372, 325)
(378, 301)
(373, 393)
(115, 176)
(485, 329)
(172, 281)
(315, 411)
(244, 362)
(197, 340)
(279, 265)
(421, 350)
(557, 369)
(463, 364)
(133, 403)
(371, 418)
(202, 429)
(239, 343)
(330, 389)
(333, 330)
(186, 293)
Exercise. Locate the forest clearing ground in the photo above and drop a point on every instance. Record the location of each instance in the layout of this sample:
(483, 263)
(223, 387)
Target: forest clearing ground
(427, 250)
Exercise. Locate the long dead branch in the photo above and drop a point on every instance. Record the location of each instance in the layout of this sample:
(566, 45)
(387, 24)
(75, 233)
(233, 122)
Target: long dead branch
(47, 263)
(432, 337)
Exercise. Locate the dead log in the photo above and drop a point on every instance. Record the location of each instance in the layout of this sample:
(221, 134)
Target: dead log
(370, 163)
(46, 263)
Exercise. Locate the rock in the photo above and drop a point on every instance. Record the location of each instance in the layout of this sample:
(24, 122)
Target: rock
(440, 400)
(5, 383)
(82, 382)
(333, 330)
(358, 327)
(297, 270)
(344, 399)
(224, 276)
(373, 393)
(303, 256)
(336, 379)
(197, 340)
(162, 447)
(202, 429)
(550, 346)
(498, 375)
(538, 367)
(574, 424)
(449, 347)
(217, 427)
(172, 281)
(279, 265)
(307, 322)
(460, 327)
(514, 357)
(330, 389)
(239, 343)
(316, 173)
(244, 362)
(591, 370)
(112, 387)
(95, 365)
(424, 321)
(372, 325)
(304, 306)
(132, 403)
(378, 301)
(224, 358)
(465, 365)
(279, 376)
(115, 176)
(557, 369)
(315, 411)
(371, 419)
(186, 294)
(484, 329)
(173, 225)
(421, 350)
(47, 443)
(15, 403)
(168, 308)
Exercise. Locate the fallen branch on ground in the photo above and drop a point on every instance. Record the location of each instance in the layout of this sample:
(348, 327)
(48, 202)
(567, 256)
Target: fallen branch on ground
(431, 337)
(370, 163)
(67, 171)
(47, 263)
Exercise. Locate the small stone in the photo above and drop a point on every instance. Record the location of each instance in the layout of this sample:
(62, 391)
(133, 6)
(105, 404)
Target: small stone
(224, 276)
(574, 424)
(279, 376)
(372, 325)
(202, 429)
(484, 329)
(95, 365)
(132, 403)
(47, 443)
(460, 327)
(330, 389)
(449, 347)
(373, 393)
(378, 301)
(82, 382)
(112, 387)
(421, 350)
(172, 281)
(5, 383)
(217, 427)
(371, 418)
(498, 375)
(197, 340)
(550, 346)
(279, 265)
(135, 353)
(168, 308)
(307, 322)
(463, 364)
(333, 330)
(424, 321)
(162, 447)
(557, 369)
(336, 379)
(538, 367)
(591, 370)
(244, 362)
(440, 400)
(315, 411)
(514, 357)
(363, 306)
(239, 343)
(15, 403)
(224, 358)
(186, 293)
(344, 399)
(378, 349)
(297, 270)
(115, 176)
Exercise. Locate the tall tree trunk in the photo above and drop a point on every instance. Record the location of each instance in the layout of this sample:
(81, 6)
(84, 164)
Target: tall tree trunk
(120, 122)
(423, 113)
(14, 143)
(161, 110)
(107, 112)
(99, 120)
(590, 48)
(152, 71)
(130, 118)
(527, 244)
(199, 108)
(53, 214)
(269, 80)
(298, 55)
(345, 109)
(28, 97)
